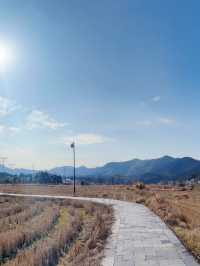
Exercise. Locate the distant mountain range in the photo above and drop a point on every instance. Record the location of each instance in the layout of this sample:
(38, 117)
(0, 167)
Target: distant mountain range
(154, 170)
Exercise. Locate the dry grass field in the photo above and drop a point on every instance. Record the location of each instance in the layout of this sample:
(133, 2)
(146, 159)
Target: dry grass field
(44, 232)
(178, 207)
(181, 211)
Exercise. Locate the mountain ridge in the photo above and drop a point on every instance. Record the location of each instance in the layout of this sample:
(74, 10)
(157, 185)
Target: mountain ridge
(165, 168)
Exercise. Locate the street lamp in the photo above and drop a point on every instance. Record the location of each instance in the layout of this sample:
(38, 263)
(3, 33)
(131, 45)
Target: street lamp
(73, 147)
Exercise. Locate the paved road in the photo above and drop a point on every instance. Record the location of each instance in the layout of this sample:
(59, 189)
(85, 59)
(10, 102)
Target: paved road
(139, 237)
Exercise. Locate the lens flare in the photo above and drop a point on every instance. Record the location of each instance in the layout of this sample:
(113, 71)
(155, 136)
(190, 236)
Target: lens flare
(6, 57)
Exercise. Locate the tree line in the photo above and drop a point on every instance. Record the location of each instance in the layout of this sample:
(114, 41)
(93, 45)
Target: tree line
(37, 178)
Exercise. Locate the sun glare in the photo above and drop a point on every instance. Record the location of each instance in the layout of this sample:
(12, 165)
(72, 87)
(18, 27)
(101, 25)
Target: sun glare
(6, 57)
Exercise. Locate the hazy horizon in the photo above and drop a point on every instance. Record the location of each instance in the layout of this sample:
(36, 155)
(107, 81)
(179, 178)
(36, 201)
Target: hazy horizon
(100, 165)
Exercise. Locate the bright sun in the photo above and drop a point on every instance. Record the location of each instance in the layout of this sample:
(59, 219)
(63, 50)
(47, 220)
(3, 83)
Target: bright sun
(6, 57)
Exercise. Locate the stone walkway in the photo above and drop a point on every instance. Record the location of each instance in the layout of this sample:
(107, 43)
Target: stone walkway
(139, 237)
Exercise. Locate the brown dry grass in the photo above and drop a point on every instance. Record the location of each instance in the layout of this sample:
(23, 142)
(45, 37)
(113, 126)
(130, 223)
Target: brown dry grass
(87, 250)
(49, 232)
(48, 250)
(181, 211)
(11, 221)
(179, 208)
(24, 235)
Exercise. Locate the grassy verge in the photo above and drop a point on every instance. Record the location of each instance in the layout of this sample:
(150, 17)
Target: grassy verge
(181, 212)
(88, 248)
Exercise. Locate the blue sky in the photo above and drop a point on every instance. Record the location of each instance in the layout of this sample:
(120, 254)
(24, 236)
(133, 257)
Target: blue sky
(119, 77)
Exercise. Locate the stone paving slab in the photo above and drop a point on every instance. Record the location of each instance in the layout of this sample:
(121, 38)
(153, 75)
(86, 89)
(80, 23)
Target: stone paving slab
(139, 237)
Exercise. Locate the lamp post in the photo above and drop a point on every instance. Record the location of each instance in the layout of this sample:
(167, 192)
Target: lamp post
(74, 153)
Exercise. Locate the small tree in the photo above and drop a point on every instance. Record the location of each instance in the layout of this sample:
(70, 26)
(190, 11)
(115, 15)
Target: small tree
(140, 185)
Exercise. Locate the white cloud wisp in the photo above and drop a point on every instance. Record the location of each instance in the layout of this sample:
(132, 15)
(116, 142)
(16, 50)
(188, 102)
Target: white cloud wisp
(7, 106)
(39, 119)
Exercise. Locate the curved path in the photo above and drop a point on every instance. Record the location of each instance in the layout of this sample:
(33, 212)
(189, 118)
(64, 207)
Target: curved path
(139, 237)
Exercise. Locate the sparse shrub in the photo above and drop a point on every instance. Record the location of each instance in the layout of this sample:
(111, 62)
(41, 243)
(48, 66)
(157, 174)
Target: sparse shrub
(140, 200)
(182, 196)
(140, 185)
(176, 219)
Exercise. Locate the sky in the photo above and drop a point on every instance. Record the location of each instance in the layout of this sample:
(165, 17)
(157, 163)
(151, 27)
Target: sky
(121, 78)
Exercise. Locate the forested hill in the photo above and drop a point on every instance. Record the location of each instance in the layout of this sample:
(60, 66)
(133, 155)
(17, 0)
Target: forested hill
(151, 171)
(154, 170)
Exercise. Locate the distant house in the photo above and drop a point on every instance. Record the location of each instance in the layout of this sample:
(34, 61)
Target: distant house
(67, 181)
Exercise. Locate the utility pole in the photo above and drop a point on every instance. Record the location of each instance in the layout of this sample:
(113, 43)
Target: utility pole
(74, 153)
(3, 159)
